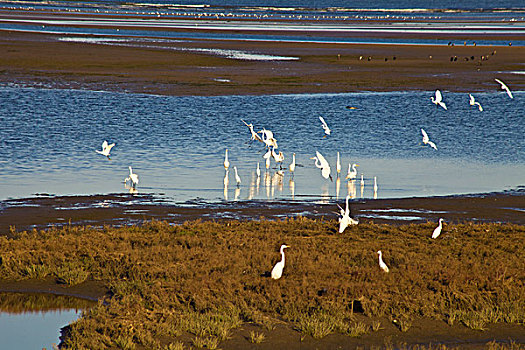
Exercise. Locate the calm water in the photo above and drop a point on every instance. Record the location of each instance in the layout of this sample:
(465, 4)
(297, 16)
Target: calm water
(176, 145)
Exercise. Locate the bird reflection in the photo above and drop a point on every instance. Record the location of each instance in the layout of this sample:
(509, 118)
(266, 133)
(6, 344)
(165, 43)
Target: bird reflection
(337, 186)
(225, 192)
(292, 187)
(237, 193)
(362, 186)
(131, 189)
(351, 189)
(325, 194)
(375, 187)
(267, 183)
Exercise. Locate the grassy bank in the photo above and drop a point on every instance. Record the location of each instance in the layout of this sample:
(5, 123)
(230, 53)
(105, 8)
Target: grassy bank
(197, 284)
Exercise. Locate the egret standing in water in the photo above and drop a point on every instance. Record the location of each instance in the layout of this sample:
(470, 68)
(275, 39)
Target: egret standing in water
(322, 164)
(327, 130)
(382, 264)
(437, 230)
(133, 178)
(352, 172)
(426, 140)
(292, 165)
(438, 100)
(277, 270)
(473, 102)
(105, 149)
(226, 161)
(505, 87)
(237, 178)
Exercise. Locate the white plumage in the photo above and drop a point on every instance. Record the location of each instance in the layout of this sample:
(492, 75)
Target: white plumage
(277, 270)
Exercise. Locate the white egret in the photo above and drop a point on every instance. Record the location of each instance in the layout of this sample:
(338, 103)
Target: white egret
(255, 136)
(268, 139)
(134, 178)
(322, 164)
(338, 165)
(426, 140)
(437, 230)
(105, 149)
(277, 270)
(439, 100)
(237, 178)
(226, 161)
(258, 171)
(327, 130)
(473, 102)
(505, 87)
(279, 157)
(352, 172)
(268, 163)
(345, 218)
(292, 164)
(382, 264)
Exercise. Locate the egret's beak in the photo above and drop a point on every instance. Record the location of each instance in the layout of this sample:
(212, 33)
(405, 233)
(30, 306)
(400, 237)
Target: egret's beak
(357, 165)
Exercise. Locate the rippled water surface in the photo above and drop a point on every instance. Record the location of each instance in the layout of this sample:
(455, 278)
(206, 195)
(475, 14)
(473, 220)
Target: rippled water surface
(176, 145)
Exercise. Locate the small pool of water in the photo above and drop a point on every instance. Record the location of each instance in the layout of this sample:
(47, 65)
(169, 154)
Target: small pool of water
(34, 321)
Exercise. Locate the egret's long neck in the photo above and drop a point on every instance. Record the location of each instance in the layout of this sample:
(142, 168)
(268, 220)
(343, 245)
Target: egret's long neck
(282, 255)
(347, 211)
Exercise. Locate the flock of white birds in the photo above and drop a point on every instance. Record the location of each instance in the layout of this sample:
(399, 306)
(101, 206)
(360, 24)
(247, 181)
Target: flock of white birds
(267, 138)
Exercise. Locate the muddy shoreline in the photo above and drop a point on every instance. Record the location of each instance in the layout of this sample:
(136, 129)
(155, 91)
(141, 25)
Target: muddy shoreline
(123, 210)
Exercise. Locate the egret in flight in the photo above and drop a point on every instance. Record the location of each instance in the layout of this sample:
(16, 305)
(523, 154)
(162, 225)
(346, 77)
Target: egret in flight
(438, 100)
(437, 230)
(105, 149)
(505, 87)
(255, 136)
(382, 264)
(268, 139)
(237, 178)
(322, 164)
(345, 218)
(427, 141)
(226, 161)
(352, 172)
(473, 102)
(327, 130)
(134, 178)
(277, 270)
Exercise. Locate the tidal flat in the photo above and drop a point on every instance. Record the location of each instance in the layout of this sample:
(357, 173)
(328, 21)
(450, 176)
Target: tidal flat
(207, 285)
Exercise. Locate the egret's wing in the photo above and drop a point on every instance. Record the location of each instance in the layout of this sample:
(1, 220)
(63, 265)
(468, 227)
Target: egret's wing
(425, 136)
(472, 100)
(322, 121)
(104, 144)
(501, 83)
(433, 145)
(268, 154)
(442, 104)
(110, 146)
(479, 106)
(248, 125)
(439, 97)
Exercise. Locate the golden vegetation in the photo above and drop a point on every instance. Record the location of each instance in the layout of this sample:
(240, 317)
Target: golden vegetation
(199, 281)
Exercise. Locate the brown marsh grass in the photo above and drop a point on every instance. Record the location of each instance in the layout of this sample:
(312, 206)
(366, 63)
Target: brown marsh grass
(199, 281)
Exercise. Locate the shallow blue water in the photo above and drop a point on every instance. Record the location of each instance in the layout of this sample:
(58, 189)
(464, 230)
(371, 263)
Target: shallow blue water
(48, 140)
(34, 330)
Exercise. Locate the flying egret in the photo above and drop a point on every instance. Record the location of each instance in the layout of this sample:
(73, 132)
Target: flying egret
(352, 172)
(338, 165)
(505, 87)
(292, 164)
(346, 220)
(277, 270)
(237, 178)
(258, 171)
(279, 157)
(437, 230)
(134, 178)
(473, 103)
(382, 264)
(327, 130)
(226, 161)
(105, 149)
(255, 136)
(439, 100)
(322, 164)
(427, 141)
(268, 139)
